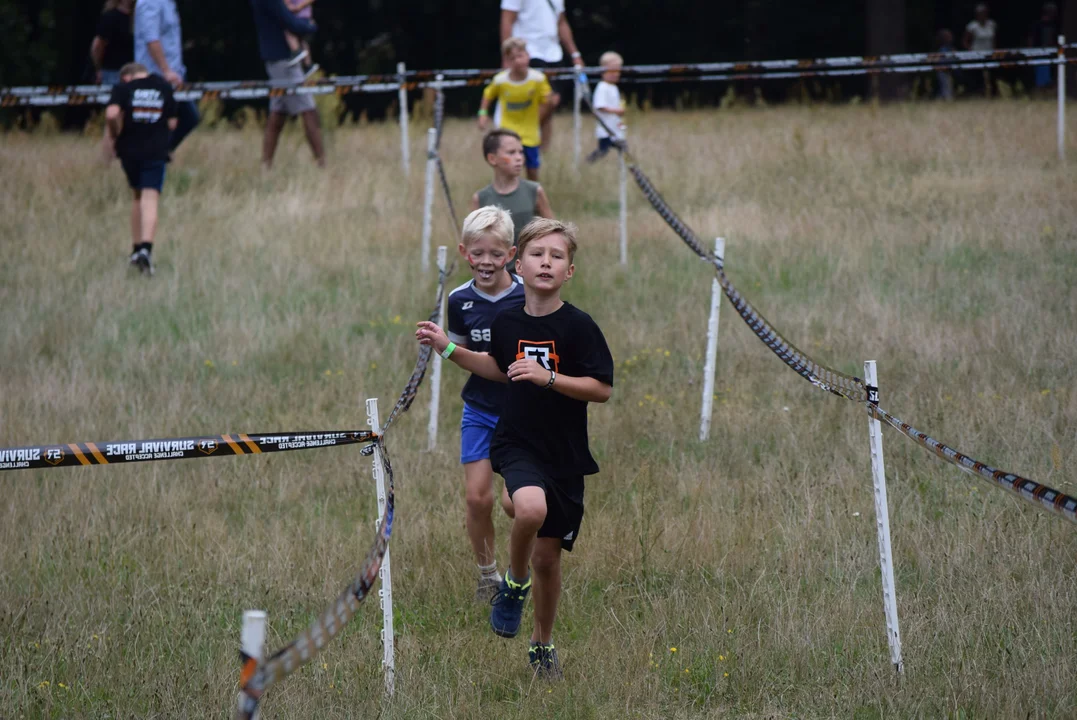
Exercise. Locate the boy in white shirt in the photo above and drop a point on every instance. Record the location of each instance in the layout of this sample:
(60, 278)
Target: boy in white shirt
(608, 106)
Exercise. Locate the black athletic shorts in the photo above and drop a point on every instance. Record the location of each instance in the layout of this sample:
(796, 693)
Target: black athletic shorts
(564, 496)
(563, 85)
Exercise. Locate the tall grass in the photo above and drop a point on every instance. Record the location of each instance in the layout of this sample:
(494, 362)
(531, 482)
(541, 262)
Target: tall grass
(939, 240)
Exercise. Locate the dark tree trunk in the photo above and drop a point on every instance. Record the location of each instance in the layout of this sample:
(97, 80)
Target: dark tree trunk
(886, 35)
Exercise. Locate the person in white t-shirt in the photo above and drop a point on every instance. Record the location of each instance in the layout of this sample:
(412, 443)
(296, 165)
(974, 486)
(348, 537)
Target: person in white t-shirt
(542, 24)
(608, 106)
(980, 35)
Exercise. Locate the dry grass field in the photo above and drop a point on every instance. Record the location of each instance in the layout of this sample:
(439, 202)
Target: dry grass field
(733, 578)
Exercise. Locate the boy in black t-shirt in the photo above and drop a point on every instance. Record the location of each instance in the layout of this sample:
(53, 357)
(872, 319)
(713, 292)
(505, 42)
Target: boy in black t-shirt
(140, 117)
(555, 361)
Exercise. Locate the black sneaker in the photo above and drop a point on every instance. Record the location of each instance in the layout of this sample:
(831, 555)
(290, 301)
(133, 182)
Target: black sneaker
(297, 57)
(143, 262)
(544, 662)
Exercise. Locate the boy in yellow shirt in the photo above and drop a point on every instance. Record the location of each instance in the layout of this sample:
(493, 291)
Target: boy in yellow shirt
(524, 94)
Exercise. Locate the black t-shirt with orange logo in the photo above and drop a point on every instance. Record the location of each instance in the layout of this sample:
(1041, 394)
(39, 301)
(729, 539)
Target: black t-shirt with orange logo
(549, 426)
(147, 104)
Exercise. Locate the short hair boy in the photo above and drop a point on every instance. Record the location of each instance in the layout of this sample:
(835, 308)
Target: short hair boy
(140, 117)
(608, 106)
(486, 244)
(555, 360)
(524, 199)
(524, 94)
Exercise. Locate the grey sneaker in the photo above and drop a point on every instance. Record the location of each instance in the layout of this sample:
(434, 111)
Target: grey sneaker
(544, 662)
(484, 591)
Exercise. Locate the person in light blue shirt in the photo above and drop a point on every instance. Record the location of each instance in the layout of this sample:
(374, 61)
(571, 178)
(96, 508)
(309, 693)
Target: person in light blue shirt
(159, 46)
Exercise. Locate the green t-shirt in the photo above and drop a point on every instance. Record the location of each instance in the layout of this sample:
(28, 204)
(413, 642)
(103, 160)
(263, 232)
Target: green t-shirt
(520, 203)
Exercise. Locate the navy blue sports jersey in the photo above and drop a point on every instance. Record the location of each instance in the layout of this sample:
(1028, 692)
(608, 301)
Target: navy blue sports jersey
(471, 314)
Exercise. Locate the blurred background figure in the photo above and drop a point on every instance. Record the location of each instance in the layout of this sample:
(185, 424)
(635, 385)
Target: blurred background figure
(1045, 34)
(543, 25)
(159, 47)
(980, 35)
(113, 46)
(944, 43)
(299, 46)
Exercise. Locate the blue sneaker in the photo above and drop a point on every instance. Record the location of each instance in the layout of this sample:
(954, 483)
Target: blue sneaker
(507, 606)
(544, 662)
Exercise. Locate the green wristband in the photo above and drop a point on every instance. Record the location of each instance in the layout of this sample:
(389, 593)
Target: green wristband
(448, 350)
(482, 112)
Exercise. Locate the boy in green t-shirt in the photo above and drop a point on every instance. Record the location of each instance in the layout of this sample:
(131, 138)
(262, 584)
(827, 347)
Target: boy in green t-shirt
(523, 199)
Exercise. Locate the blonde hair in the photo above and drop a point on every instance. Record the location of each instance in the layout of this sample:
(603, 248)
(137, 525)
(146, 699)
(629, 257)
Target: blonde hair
(513, 43)
(540, 227)
(489, 220)
(133, 68)
(610, 58)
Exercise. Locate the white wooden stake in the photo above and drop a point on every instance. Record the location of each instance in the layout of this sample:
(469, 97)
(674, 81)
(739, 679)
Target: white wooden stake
(624, 206)
(252, 642)
(428, 199)
(577, 97)
(435, 373)
(385, 592)
(1061, 97)
(402, 97)
(710, 365)
(882, 521)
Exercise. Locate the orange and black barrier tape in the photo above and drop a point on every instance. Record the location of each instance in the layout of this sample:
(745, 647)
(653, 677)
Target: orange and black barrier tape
(186, 448)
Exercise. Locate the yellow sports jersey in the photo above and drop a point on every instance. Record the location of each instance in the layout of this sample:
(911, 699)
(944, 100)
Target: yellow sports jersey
(520, 103)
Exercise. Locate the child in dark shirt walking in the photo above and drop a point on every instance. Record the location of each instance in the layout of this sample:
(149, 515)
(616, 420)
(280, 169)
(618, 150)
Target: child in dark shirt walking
(140, 117)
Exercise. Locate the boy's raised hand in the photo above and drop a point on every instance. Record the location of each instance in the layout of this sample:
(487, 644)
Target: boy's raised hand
(529, 369)
(430, 334)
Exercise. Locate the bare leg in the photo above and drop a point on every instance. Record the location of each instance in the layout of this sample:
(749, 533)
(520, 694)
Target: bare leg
(293, 42)
(530, 506)
(479, 480)
(274, 125)
(136, 217)
(532, 174)
(313, 130)
(149, 214)
(546, 589)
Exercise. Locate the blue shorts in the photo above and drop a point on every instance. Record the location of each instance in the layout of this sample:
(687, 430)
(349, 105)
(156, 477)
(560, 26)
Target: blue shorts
(144, 175)
(531, 157)
(476, 430)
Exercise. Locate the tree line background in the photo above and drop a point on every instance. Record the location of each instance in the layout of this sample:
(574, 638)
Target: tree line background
(46, 42)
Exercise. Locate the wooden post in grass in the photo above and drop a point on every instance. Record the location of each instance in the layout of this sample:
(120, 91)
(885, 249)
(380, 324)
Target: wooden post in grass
(385, 592)
(882, 520)
(435, 373)
(710, 364)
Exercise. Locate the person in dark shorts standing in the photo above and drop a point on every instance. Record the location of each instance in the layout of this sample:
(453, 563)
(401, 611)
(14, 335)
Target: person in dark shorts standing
(555, 360)
(140, 118)
(113, 44)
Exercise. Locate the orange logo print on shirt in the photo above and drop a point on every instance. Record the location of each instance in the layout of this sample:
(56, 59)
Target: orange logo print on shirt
(544, 351)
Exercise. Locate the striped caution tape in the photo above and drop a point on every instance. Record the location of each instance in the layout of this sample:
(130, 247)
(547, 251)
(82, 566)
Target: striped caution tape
(815, 73)
(1046, 497)
(846, 386)
(203, 446)
(59, 95)
(257, 677)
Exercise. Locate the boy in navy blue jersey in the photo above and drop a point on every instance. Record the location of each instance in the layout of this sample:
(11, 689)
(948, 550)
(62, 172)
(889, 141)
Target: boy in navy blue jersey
(139, 120)
(487, 246)
(555, 360)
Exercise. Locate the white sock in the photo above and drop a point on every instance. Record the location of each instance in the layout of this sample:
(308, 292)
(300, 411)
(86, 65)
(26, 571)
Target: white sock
(489, 572)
